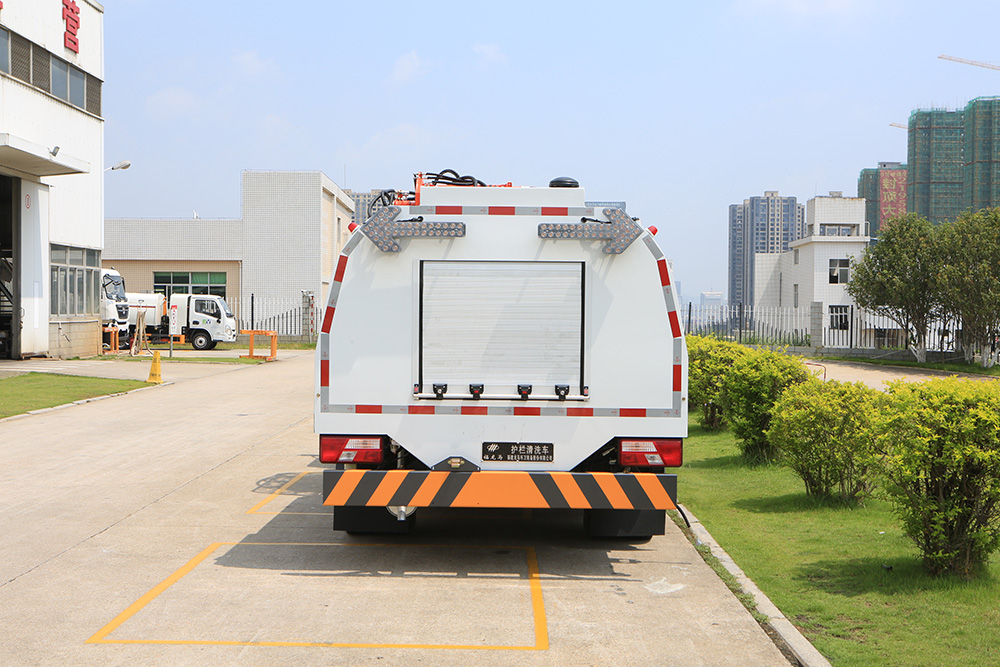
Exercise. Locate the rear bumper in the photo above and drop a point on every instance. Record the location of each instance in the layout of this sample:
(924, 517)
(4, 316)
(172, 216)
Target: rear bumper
(500, 489)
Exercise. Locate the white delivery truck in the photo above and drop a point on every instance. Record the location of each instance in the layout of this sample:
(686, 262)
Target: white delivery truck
(501, 347)
(114, 303)
(204, 319)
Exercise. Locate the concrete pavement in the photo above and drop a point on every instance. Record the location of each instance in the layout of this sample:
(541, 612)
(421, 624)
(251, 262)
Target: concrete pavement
(184, 525)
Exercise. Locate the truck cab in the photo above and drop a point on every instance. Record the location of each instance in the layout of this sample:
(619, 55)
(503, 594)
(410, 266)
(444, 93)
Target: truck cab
(114, 303)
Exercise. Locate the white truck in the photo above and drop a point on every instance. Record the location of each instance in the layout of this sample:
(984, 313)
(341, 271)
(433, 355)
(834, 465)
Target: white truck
(114, 304)
(500, 347)
(204, 319)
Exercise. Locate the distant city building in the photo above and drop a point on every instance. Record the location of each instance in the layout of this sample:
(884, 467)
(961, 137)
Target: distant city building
(813, 274)
(760, 225)
(713, 299)
(884, 192)
(362, 200)
(954, 160)
(981, 154)
(934, 187)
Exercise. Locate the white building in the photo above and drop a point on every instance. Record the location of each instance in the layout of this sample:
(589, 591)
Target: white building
(286, 242)
(816, 268)
(51, 176)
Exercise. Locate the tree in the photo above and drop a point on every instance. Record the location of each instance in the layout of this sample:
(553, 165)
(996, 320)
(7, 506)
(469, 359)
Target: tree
(969, 280)
(897, 278)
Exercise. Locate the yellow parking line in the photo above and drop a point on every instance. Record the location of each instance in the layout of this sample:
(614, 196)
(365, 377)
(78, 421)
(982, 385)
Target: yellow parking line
(534, 578)
(287, 485)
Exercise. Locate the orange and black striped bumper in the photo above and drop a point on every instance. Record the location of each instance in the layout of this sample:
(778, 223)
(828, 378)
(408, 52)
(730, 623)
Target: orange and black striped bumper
(510, 489)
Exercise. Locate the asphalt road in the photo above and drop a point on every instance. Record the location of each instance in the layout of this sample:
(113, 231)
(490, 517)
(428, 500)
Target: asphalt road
(184, 525)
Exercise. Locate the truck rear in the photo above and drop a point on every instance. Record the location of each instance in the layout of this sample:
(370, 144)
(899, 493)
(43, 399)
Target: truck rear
(505, 347)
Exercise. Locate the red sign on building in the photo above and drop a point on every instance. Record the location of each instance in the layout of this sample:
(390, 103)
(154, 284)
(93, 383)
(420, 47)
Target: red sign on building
(891, 194)
(71, 14)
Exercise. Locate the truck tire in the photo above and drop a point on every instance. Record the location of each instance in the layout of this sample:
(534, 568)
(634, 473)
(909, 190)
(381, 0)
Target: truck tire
(357, 520)
(200, 340)
(635, 524)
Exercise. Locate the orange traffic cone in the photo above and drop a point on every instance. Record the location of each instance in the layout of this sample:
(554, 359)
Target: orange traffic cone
(154, 372)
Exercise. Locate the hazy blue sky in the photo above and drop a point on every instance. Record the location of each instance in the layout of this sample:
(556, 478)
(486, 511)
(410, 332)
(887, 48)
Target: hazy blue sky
(680, 110)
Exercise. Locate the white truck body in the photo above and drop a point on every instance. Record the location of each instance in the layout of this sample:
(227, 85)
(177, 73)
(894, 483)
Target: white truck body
(490, 291)
(204, 319)
(151, 304)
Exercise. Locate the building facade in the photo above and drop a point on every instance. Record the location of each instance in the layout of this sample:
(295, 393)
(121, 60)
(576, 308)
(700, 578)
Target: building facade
(286, 242)
(51, 177)
(981, 154)
(760, 225)
(816, 268)
(934, 186)
(884, 192)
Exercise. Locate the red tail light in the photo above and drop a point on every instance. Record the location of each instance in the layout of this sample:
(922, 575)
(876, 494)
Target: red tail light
(350, 449)
(650, 452)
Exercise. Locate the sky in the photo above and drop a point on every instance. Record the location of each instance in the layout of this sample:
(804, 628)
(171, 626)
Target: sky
(678, 109)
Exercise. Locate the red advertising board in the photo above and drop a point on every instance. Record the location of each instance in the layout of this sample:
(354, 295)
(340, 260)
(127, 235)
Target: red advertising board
(891, 194)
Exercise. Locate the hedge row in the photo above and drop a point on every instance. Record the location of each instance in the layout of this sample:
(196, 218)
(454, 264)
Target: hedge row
(932, 449)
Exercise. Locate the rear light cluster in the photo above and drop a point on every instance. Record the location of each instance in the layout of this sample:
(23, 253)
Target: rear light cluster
(650, 452)
(350, 449)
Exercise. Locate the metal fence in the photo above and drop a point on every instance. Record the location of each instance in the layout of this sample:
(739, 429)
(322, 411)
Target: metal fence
(846, 327)
(745, 324)
(286, 317)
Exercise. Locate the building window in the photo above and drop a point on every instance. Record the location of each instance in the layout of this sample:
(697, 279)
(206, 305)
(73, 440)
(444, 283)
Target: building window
(839, 317)
(795, 296)
(4, 51)
(189, 282)
(795, 256)
(68, 83)
(74, 278)
(839, 269)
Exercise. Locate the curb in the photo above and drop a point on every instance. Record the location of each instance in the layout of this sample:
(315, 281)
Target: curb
(804, 651)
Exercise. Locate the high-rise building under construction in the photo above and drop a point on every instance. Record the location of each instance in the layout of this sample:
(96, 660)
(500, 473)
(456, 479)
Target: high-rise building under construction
(884, 192)
(934, 164)
(954, 160)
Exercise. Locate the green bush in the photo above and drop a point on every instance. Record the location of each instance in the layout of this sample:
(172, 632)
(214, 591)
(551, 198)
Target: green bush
(824, 432)
(709, 359)
(939, 443)
(749, 391)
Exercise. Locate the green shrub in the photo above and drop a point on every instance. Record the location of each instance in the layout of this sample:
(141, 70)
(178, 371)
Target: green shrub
(824, 432)
(709, 359)
(749, 391)
(940, 449)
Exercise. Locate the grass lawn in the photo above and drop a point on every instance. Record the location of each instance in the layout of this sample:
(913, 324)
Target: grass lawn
(848, 578)
(34, 391)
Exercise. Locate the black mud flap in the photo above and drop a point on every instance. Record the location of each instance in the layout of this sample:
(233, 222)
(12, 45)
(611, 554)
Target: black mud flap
(625, 523)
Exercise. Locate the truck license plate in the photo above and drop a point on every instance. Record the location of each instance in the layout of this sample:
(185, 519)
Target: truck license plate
(518, 451)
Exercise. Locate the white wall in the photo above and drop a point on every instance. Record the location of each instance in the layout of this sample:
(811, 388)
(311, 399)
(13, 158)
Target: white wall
(34, 268)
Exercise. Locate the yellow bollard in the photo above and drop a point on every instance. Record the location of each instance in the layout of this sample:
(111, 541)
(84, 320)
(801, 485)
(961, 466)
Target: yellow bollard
(154, 372)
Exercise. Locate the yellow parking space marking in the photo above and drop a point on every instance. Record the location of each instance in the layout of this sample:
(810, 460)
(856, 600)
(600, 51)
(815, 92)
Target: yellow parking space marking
(285, 487)
(534, 581)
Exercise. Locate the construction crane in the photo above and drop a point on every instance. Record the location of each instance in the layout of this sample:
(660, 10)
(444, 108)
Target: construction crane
(970, 62)
(899, 125)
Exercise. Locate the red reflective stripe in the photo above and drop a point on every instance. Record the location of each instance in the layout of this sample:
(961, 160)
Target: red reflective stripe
(555, 210)
(675, 325)
(327, 320)
(677, 377)
(664, 273)
(474, 410)
(579, 412)
(448, 210)
(420, 409)
(501, 210)
(341, 267)
(528, 412)
(368, 409)
(324, 373)
(632, 412)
